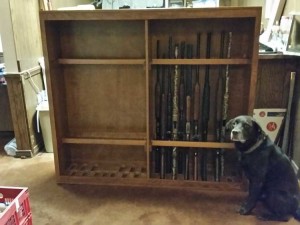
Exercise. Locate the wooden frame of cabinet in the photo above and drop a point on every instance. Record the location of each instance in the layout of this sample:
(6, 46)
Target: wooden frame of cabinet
(100, 68)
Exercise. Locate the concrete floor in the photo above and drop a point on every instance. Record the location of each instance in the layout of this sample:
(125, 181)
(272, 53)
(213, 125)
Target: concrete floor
(53, 204)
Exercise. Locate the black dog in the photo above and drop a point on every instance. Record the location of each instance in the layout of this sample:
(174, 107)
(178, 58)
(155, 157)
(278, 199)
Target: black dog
(271, 176)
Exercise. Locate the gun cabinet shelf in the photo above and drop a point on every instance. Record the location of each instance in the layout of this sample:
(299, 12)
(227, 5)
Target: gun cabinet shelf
(103, 61)
(200, 61)
(104, 141)
(113, 93)
(192, 144)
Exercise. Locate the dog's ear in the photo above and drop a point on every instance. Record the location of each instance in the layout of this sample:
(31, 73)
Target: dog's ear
(229, 125)
(257, 127)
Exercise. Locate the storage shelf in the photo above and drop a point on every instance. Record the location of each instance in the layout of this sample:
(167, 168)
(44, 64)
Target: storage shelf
(104, 91)
(200, 61)
(102, 61)
(192, 144)
(93, 141)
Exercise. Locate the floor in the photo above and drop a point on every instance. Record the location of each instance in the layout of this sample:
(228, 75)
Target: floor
(53, 204)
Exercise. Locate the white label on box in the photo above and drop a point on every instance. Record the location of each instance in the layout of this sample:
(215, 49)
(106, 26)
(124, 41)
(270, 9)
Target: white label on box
(270, 120)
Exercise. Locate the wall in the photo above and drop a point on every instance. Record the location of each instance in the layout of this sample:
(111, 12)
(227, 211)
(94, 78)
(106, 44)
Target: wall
(58, 3)
(6, 31)
(291, 6)
(20, 34)
(1, 49)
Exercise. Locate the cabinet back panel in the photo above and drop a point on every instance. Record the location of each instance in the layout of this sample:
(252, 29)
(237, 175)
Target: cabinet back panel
(98, 153)
(98, 105)
(109, 39)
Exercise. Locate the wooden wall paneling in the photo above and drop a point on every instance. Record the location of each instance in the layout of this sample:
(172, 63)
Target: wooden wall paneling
(18, 110)
(273, 81)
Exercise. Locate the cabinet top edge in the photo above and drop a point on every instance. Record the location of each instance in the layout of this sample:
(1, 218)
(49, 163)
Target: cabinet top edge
(152, 14)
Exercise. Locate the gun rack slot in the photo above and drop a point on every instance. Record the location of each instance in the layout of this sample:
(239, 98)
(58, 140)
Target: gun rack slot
(97, 170)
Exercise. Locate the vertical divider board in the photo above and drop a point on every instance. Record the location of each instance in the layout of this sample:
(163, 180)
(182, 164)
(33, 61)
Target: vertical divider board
(101, 73)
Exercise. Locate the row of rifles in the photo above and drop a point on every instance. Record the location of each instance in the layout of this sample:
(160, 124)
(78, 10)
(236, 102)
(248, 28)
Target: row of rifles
(182, 113)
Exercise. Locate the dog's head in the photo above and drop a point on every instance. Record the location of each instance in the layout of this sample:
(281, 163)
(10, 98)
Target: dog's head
(244, 129)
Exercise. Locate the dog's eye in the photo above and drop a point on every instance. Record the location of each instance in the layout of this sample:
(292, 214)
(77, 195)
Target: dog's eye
(246, 125)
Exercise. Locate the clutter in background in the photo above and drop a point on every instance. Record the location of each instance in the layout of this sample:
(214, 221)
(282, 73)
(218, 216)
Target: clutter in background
(11, 147)
(2, 70)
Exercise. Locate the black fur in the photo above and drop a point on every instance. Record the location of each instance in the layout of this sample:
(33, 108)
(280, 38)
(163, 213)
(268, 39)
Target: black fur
(270, 173)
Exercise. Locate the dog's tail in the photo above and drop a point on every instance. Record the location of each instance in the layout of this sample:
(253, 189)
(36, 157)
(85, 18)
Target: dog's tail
(297, 214)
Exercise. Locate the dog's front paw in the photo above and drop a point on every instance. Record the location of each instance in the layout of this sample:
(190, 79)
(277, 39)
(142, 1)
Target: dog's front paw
(245, 209)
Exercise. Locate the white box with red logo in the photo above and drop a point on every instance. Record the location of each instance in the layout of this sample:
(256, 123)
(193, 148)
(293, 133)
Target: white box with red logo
(270, 120)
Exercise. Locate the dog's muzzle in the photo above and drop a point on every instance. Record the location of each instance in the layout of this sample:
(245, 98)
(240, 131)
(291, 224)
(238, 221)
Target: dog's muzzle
(237, 135)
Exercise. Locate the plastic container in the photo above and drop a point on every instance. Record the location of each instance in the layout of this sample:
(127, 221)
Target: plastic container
(18, 210)
(11, 147)
(44, 119)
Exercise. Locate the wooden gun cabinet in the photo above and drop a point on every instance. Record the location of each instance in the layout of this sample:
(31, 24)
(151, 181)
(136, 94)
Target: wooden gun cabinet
(101, 71)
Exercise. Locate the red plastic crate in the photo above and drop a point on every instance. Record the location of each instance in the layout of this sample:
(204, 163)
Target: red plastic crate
(18, 212)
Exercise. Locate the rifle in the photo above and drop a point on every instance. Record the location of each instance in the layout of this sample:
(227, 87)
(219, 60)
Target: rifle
(188, 96)
(196, 107)
(163, 123)
(225, 102)
(218, 115)
(169, 109)
(175, 116)
(181, 124)
(188, 109)
(157, 111)
(205, 109)
(197, 89)
(181, 93)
